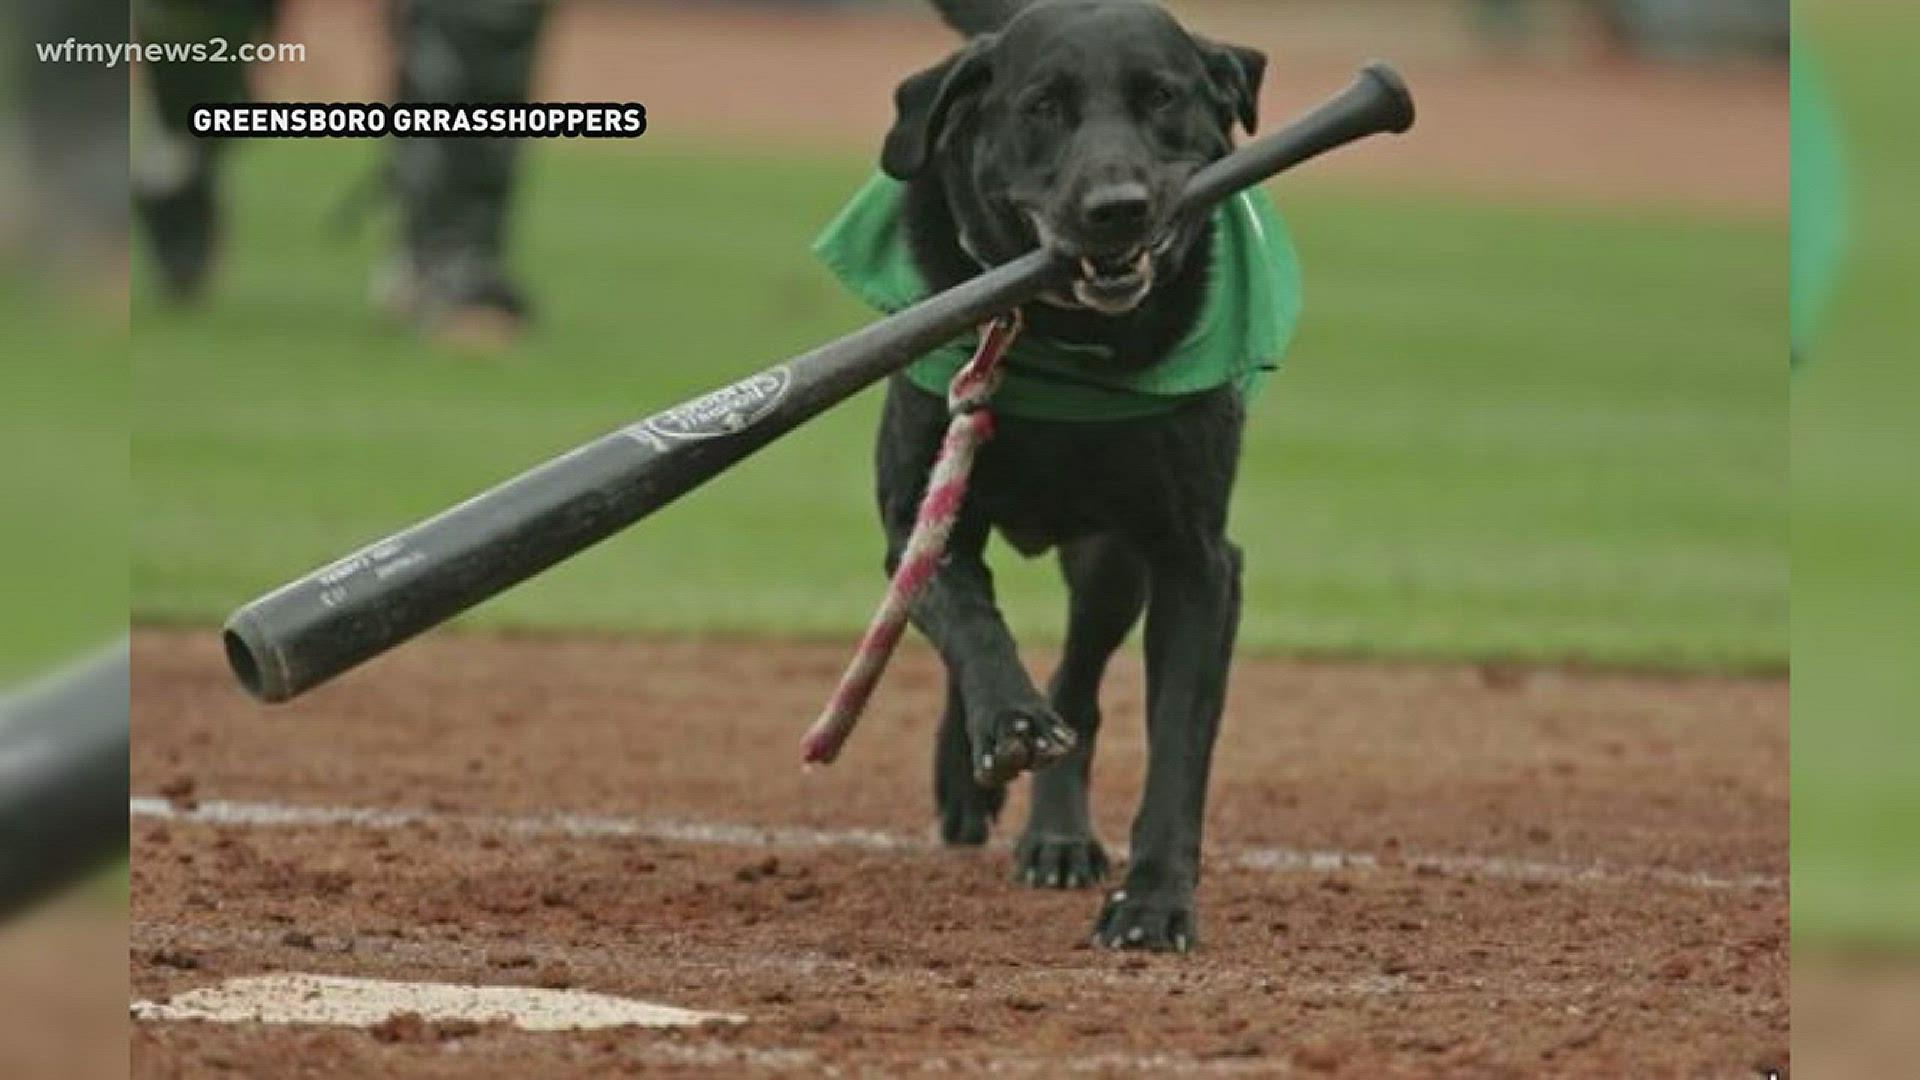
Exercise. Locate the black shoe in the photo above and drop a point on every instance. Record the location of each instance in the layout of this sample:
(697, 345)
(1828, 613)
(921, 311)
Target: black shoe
(174, 197)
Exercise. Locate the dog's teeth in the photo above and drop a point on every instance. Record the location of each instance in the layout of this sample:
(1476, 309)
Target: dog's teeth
(1088, 268)
(1143, 261)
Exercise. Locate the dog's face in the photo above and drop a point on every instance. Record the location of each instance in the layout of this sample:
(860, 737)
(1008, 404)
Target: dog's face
(1076, 127)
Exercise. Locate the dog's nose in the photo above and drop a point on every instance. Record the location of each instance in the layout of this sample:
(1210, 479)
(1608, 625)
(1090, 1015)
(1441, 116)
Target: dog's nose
(1116, 207)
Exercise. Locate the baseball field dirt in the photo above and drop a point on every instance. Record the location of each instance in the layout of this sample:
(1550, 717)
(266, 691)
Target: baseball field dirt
(61, 989)
(1411, 871)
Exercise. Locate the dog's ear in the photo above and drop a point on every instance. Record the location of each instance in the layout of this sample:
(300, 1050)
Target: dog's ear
(921, 104)
(975, 17)
(1235, 72)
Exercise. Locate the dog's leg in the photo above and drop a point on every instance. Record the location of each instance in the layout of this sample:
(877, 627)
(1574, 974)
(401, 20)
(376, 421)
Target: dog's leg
(1107, 586)
(1009, 727)
(1191, 623)
(967, 807)
(1183, 468)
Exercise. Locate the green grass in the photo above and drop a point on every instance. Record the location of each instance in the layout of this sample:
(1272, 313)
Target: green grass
(1856, 738)
(1526, 432)
(63, 571)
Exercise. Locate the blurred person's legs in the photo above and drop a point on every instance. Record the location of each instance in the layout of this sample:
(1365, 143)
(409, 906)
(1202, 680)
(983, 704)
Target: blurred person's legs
(455, 194)
(176, 177)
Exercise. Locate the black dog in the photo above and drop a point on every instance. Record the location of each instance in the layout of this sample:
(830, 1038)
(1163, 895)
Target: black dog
(1075, 124)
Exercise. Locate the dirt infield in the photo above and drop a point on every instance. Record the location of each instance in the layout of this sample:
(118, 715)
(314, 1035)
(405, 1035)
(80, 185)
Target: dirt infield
(60, 989)
(1412, 872)
(750, 73)
(1854, 1015)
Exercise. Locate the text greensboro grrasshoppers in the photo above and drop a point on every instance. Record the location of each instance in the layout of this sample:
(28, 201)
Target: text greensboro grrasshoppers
(604, 120)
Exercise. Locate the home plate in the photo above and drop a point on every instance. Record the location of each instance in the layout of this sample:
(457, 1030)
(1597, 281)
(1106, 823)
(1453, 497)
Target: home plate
(325, 999)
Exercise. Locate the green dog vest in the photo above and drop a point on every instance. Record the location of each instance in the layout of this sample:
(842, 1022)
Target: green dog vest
(1819, 209)
(1245, 323)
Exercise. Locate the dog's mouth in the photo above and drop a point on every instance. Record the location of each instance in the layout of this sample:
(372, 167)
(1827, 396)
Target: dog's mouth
(1111, 282)
(1115, 284)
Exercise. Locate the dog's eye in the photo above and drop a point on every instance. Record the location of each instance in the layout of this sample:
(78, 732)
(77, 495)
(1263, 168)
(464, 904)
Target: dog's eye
(1158, 96)
(1045, 107)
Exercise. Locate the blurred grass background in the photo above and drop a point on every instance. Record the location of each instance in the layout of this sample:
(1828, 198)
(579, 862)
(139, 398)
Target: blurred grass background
(1856, 736)
(63, 423)
(1856, 753)
(1506, 431)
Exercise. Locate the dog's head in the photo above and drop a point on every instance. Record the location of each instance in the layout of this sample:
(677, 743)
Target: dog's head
(1075, 126)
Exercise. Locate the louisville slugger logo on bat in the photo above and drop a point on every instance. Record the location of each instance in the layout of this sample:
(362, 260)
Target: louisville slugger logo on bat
(725, 411)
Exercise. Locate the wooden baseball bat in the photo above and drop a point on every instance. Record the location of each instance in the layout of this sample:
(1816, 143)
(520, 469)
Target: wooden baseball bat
(63, 780)
(352, 610)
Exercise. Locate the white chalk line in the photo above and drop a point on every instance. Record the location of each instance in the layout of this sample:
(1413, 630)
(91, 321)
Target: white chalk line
(605, 826)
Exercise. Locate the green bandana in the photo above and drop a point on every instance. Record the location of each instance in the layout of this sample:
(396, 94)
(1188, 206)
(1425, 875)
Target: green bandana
(1253, 301)
(1819, 205)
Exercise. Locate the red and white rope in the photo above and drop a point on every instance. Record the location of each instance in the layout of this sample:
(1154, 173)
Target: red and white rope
(972, 425)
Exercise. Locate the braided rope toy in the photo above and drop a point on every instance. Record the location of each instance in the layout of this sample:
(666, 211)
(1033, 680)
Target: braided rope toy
(972, 424)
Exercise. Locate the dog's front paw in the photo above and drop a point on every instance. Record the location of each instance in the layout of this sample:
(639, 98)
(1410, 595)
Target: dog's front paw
(1055, 861)
(1147, 921)
(1016, 741)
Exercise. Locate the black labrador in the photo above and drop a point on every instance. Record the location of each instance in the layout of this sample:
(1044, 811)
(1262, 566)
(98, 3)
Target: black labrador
(1075, 124)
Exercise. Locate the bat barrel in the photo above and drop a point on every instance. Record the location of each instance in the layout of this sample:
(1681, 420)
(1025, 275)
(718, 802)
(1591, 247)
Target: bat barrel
(350, 611)
(63, 780)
